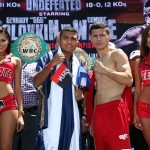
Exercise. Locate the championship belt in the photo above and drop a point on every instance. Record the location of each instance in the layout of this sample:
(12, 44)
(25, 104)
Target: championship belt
(84, 58)
(29, 47)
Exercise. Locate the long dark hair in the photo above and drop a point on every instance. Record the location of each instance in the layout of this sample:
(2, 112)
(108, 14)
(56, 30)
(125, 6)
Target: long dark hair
(144, 49)
(5, 32)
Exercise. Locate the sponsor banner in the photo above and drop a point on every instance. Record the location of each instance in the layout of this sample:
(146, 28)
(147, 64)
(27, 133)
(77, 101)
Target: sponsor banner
(46, 18)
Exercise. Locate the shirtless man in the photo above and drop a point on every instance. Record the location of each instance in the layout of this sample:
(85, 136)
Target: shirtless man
(112, 74)
(132, 37)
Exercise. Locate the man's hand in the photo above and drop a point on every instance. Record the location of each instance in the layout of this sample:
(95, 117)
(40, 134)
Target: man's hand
(99, 67)
(57, 59)
(85, 125)
(78, 94)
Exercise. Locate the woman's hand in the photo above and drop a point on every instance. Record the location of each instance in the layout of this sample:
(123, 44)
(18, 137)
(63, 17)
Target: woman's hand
(137, 123)
(20, 123)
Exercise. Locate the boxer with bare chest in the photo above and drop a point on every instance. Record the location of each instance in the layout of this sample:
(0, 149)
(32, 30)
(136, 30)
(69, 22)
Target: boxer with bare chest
(112, 74)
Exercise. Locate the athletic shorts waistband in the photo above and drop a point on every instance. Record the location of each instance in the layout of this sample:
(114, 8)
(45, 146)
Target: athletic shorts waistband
(110, 103)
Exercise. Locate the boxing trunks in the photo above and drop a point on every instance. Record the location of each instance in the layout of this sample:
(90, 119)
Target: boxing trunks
(8, 103)
(111, 126)
(143, 110)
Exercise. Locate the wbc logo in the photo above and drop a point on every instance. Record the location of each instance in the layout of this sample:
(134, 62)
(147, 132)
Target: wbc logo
(29, 47)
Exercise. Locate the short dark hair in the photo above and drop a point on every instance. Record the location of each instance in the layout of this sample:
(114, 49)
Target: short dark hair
(70, 29)
(5, 32)
(99, 25)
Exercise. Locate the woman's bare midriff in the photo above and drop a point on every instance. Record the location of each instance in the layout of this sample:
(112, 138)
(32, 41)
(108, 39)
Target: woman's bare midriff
(5, 89)
(145, 94)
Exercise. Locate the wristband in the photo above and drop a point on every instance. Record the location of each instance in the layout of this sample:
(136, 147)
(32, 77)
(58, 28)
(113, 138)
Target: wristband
(49, 66)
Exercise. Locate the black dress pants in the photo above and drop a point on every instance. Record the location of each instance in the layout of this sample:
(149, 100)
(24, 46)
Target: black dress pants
(26, 139)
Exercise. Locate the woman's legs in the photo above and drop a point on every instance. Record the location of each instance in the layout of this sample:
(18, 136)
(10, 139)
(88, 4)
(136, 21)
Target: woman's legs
(146, 129)
(8, 122)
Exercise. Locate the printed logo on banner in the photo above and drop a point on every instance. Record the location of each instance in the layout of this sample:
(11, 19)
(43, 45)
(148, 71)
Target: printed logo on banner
(62, 76)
